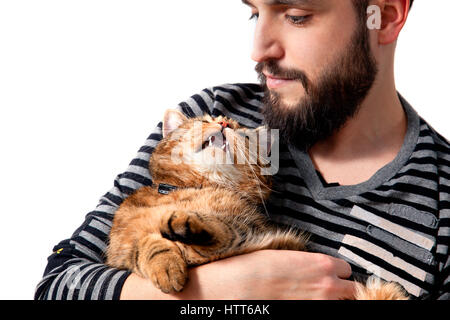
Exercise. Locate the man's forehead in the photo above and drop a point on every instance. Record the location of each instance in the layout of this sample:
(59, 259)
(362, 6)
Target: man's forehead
(286, 2)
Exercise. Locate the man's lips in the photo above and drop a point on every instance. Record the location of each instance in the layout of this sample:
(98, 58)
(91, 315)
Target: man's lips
(274, 82)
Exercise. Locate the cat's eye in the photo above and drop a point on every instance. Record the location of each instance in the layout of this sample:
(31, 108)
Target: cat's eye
(211, 141)
(206, 143)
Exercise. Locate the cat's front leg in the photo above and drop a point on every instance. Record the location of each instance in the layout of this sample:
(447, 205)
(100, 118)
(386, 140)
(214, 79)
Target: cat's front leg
(161, 261)
(201, 238)
(187, 227)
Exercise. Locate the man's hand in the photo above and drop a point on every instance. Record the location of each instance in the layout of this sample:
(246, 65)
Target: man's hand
(261, 275)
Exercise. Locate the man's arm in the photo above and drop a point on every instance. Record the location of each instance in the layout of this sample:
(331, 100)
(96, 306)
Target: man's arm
(76, 269)
(261, 275)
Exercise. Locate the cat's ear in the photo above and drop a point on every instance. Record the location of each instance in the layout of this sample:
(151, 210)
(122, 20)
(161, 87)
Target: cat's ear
(172, 120)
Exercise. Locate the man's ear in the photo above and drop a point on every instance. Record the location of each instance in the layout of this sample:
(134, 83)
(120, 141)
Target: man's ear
(172, 120)
(393, 17)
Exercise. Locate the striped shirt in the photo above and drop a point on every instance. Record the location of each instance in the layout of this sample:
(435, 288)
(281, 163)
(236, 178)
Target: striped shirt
(395, 225)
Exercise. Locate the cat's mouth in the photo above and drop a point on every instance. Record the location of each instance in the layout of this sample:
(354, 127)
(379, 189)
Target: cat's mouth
(216, 142)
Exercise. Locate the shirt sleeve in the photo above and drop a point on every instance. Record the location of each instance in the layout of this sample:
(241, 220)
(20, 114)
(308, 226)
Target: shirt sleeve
(442, 254)
(76, 269)
(442, 278)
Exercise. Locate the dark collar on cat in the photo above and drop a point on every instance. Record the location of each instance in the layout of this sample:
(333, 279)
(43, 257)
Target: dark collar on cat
(164, 188)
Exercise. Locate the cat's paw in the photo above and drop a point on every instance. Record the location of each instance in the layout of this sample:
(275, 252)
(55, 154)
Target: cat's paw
(167, 271)
(186, 227)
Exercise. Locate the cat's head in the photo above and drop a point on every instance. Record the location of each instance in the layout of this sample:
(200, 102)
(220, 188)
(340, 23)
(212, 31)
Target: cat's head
(207, 151)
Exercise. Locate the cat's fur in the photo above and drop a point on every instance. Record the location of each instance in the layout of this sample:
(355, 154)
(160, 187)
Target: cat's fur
(214, 213)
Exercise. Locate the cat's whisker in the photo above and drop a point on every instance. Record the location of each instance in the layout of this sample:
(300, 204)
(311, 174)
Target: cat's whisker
(241, 150)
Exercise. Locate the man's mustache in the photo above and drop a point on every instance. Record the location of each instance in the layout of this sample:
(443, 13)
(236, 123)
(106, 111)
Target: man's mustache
(275, 70)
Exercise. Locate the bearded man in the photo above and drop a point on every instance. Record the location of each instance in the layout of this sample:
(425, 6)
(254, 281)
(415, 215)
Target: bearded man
(360, 170)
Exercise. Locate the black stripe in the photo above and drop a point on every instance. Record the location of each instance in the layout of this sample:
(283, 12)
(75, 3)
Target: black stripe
(146, 149)
(106, 282)
(187, 110)
(410, 189)
(137, 178)
(294, 180)
(444, 222)
(422, 160)
(201, 103)
(257, 88)
(209, 93)
(444, 174)
(82, 283)
(102, 214)
(394, 219)
(250, 94)
(237, 97)
(233, 110)
(113, 198)
(343, 230)
(380, 199)
(418, 174)
(140, 163)
(383, 264)
(217, 113)
(436, 147)
(123, 189)
(443, 162)
(400, 221)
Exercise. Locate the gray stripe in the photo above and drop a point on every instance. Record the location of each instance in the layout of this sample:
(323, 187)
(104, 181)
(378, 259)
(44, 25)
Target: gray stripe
(113, 283)
(105, 221)
(106, 208)
(240, 119)
(93, 239)
(75, 283)
(100, 283)
(86, 251)
(406, 247)
(100, 226)
(130, 183)
(308, 227)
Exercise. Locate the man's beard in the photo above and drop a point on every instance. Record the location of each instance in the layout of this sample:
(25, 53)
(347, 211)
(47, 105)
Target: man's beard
(327, 104)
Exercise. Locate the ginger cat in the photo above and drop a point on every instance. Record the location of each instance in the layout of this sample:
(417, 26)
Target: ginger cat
(204, 205)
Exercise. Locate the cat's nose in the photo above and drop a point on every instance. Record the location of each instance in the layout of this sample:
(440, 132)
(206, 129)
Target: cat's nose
(224, 124)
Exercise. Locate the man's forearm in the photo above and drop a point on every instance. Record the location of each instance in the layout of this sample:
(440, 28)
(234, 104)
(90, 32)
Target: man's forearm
(201, 280)
(264, 274)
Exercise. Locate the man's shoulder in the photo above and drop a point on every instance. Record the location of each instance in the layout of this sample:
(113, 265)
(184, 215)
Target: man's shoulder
(240, 101)
(250, 90)
(243, 95)
(433, 139)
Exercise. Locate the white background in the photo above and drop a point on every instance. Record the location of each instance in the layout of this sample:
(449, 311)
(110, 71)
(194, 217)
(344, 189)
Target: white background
(83, 82)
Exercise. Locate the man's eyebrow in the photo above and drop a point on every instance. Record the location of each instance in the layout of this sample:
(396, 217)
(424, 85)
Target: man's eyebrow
(286, 2)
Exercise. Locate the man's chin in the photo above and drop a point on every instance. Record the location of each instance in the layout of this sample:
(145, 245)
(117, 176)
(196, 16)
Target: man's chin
(285, 99)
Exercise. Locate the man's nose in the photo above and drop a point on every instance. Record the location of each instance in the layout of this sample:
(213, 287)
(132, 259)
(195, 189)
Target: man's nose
(266, 42)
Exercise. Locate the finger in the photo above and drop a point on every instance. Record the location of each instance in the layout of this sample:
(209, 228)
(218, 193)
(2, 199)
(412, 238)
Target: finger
(343, 268)
(347, 290)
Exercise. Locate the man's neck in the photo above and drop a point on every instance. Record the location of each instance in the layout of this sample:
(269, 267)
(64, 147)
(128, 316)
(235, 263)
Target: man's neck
(367, 142)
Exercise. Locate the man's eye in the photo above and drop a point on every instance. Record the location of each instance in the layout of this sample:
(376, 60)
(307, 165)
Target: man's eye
(254, 16)
(298, 20)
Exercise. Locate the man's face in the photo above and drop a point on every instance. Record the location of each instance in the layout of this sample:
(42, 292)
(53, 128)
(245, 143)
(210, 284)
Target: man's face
(315, 64)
